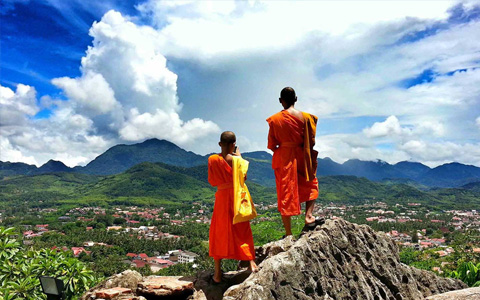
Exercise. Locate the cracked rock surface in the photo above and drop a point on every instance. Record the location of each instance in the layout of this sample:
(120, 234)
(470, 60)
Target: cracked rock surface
(339, 260)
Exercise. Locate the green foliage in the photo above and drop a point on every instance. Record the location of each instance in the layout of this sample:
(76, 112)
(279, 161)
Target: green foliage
(468, 272)
(145, 184)
(20, 269)
(121, 157)
(408, 255)
(153, 184)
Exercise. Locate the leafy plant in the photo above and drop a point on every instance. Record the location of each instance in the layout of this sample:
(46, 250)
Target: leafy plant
(20, 269)
(468, 272)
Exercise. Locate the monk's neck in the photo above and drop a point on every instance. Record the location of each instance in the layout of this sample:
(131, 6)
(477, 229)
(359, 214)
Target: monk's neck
(224, 153)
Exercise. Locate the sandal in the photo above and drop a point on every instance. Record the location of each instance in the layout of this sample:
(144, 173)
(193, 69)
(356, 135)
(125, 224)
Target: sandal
(311, 226)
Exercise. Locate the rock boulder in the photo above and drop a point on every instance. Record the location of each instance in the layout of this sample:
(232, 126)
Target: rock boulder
(339, 260)
(466, 294)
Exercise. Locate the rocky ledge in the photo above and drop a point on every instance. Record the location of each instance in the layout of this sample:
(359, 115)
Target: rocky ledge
(338, 260)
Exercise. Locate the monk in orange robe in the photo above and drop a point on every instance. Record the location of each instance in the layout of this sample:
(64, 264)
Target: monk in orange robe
(291, 138)
(227, 241)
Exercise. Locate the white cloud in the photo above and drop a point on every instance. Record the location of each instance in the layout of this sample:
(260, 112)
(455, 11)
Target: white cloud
(15, 106)
(65, 136)
(167, 125)
(91, 92)
(435, 153)
(341, 147)
(390, 126)
(232, 58)
(13, 154)
(130, 59)
(125, 93)
(193, 29)
(478, 122)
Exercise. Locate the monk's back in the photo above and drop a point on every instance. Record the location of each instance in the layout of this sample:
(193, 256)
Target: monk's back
(286, 127)
(219, 171)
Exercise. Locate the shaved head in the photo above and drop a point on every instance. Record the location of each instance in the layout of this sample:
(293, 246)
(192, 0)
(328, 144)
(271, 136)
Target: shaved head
(228, 137)
(288, 95)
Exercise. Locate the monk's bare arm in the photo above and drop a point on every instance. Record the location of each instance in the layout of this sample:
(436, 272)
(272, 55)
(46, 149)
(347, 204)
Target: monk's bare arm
(210, 172)
(272, 142)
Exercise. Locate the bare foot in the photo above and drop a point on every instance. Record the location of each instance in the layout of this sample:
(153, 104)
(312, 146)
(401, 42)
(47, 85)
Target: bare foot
(309, 220)
(217, 278)
(253, 266)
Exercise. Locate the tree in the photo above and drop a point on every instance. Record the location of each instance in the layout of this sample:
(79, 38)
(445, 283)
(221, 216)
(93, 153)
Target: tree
(119, 221)
(414, 237)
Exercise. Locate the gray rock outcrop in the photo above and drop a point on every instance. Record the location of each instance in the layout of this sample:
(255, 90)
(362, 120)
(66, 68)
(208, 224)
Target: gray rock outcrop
(466, 294)
(339, 260)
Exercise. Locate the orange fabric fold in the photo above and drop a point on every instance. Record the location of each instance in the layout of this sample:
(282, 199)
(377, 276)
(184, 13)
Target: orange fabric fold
(310, 127)
(224, 186)
(226, 241)
(294, 160)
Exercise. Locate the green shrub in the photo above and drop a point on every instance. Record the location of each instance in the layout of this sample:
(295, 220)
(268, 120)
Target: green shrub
(20, 269)
(467, 272)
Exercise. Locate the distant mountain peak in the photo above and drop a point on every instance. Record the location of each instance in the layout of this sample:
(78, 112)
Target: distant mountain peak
(53, 166)
(155, 141)
(53, 162)
(382, 162)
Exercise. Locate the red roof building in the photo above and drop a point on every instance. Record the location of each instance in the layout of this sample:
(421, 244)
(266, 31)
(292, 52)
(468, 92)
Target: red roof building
(138, 263)
(78, 250)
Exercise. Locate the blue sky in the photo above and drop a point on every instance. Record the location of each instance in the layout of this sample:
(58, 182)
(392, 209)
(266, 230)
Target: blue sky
(395, 80)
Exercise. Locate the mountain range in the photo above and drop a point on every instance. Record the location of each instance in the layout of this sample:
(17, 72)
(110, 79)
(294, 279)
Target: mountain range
(158, 184)
(120, 158)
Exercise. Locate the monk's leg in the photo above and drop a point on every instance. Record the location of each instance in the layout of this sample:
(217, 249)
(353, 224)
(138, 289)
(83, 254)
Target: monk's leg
(309, 206)
(287, 224)
(217, 277)
(253, 266)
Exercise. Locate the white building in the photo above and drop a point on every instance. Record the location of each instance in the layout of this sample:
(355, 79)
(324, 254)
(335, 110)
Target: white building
(187, 257)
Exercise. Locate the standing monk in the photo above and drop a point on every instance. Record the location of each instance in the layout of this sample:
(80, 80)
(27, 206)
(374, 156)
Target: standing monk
(291, 138)
(226, 240)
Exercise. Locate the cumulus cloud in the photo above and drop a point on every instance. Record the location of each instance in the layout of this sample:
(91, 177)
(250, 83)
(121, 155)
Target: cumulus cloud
(390, 126)
(167, 125)
(66, 136)
(477, 121)
(136, 88)
(354, 66)
(403, 61)
(341, 147)
(129, 57)
(434, 153)
(16, 106)
(13, 154)
(126, 93)
(91, 92)
(193, 28)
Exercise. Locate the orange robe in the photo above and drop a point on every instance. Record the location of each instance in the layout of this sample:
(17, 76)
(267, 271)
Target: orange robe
(226, 240)
(294, 160)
